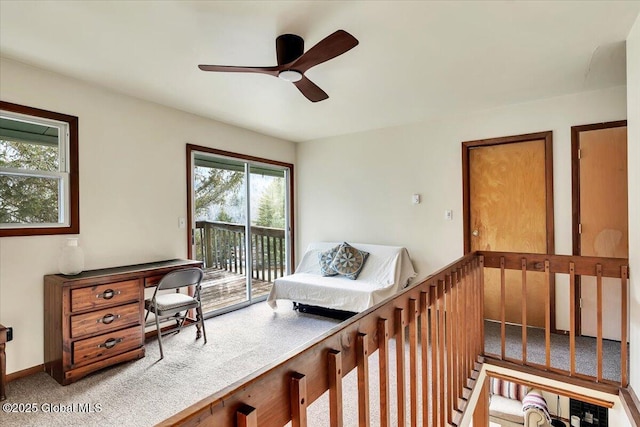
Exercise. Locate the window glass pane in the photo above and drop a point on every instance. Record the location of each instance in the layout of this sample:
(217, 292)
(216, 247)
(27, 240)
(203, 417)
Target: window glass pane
(29, 155)
(29, 200)
(219, 195)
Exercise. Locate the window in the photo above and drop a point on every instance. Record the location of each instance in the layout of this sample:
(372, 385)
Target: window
(38, 172)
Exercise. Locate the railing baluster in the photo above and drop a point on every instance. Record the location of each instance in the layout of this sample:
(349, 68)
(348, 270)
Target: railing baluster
(335, 388)
(242, 246)
(470, 308)
(282, 256)
(465, 322)
(262, 256)
(455, 332)
(441, 353)
(363, 380)
(211, 259)
(481, 284)
(503, 330)
(547, 314)
(247, 416)
(413, 360)
(235, 252)
(624, 381)
(572, 318)
(523, 265)
(424, 348)
(449, 346)
(268, 259)
(400, 362)
(255, 258)
(475, 311)
(434, 354)
(461, 329)
(298, 400)
(383, 361)
(599, 321)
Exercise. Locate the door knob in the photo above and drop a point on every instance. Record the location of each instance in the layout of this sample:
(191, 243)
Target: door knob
(475, 233)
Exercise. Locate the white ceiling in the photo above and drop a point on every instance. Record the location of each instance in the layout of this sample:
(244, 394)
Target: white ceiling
(416, 60)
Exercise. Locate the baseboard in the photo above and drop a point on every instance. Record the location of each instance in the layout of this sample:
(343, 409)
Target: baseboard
(25, 373)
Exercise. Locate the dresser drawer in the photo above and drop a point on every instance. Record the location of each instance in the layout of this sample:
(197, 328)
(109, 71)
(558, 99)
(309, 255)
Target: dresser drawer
(108, 319)
(105, 295)
(104, 346)
(152, 281)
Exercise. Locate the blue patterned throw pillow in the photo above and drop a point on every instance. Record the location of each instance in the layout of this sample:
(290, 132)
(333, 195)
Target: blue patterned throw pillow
(326, 258)
(349, 261)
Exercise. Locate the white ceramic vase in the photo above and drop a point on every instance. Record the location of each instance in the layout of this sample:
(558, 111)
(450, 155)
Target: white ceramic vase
(71, 259)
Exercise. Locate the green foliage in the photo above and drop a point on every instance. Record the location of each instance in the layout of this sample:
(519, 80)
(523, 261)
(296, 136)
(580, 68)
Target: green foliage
(223, 216)
(271, 208)
(28, 199)
(213, 187)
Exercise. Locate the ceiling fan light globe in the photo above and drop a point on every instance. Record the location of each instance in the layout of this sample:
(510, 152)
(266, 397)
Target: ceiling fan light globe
(290, 76)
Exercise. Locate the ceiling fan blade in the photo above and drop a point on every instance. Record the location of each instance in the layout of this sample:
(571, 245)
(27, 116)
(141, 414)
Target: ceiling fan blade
(274, 71)
(310, 90)
(331, 46)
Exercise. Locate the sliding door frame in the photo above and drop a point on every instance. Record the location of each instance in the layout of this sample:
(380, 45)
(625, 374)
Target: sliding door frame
(191, 149)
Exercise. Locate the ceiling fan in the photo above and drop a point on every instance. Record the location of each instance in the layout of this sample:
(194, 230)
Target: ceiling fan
(293, 62)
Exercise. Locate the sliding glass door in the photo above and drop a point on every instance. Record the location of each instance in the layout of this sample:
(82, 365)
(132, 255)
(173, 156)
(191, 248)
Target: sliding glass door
(241, 227)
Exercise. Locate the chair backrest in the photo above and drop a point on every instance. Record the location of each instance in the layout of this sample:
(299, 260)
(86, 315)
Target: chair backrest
(180, 278)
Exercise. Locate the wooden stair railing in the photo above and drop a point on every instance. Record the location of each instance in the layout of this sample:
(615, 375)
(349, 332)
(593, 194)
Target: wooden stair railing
(443, 316)
(573, 266)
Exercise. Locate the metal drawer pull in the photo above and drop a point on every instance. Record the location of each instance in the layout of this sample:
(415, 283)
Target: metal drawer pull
(108, 318)
(110, 343)
(108, 294)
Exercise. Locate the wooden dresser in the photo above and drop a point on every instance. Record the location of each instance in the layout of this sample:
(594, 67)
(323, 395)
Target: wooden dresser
(96, 319)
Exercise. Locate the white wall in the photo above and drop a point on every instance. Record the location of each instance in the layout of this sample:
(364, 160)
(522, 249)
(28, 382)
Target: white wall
(633, 147)
(132, 189)
(358, 187)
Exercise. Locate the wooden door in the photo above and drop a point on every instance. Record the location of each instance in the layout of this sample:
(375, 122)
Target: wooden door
(601, 152)
(510, 209)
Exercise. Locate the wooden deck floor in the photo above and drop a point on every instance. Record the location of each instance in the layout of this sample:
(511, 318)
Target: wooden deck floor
(221, 289)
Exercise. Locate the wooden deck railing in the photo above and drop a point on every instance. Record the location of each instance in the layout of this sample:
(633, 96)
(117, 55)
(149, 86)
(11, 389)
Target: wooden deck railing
(221, 245)
(442, 320)
(573, 266)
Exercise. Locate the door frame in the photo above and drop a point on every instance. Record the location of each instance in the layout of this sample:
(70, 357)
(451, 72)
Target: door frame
(467, 146)
(190, 234)
(575, 201)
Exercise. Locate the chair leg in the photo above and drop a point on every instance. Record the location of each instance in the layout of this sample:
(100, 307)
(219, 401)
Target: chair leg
(159, 335)
(200, 317)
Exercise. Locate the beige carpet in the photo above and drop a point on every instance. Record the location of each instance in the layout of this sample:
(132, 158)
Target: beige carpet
(146, 391)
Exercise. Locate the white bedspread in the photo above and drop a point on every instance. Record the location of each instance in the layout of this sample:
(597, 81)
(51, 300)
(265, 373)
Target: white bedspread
(387, 270)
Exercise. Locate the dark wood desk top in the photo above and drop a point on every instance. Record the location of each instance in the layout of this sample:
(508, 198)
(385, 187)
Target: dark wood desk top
(145, 270)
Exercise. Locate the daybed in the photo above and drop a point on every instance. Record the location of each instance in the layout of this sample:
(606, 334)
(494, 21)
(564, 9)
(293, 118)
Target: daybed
(387, 270)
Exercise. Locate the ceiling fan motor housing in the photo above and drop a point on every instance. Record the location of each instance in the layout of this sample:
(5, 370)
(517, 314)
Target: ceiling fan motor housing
(289, 47)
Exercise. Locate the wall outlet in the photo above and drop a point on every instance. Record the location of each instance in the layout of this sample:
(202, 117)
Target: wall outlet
(448, 215)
